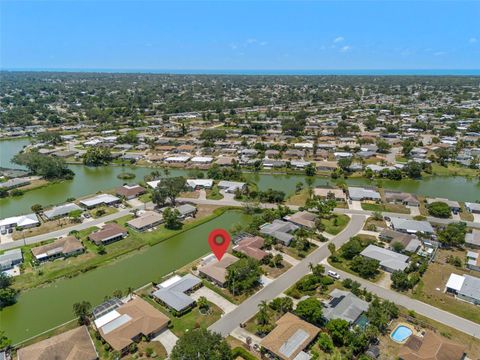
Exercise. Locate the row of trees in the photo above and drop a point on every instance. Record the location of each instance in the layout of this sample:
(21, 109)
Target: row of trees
(48, 167)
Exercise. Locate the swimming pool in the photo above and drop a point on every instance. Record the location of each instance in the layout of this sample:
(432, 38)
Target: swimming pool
(401, 333)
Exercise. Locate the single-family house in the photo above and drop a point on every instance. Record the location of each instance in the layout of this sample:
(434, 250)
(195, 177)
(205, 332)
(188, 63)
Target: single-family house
(147, 220)
(75, 344)
(10, 258)
(464, 287)
(280, 230)
(60, 211)
(231, 186)
(62, 247)
(329, 193)
(195, 184)
(346, 306)
(473, 239)
(129, 323)
(109, 233)
(216, 271)
(474, 208)
(290, 337)
(302, 219)
(390, 261)
(360, 194)
(431, 346)
(409, 241)
(99, 200)
(411, 226)
(252, 246)
(14, 183)
(186, 210)
(173, 292)
(22, 221)
(398, 197)
(130, 191)
(473, 260)
(453, 205)
(201, 160)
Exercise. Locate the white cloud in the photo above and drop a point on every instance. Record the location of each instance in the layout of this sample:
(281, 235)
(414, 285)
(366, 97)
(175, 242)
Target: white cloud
(345, 48)
(439, 53)
(338, 39)
(472, 40)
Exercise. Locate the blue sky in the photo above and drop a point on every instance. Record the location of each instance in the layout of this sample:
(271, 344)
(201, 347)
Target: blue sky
(240, 35)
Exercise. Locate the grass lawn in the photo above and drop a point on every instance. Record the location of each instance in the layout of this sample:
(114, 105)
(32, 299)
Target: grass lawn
(377, 223)
(453, 170)
(214, 193)
(146, 197)
(336, 223)
(464, 214)
(299, 199)
(102, 211)
(274, 272)
(295, 253)
(435, 278)
(386, 208)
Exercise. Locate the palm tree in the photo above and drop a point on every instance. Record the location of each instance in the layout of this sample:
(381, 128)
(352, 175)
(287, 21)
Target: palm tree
(263, 315)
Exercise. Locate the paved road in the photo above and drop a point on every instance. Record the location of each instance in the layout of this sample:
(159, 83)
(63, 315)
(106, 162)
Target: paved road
(249, 307)
(444, 317)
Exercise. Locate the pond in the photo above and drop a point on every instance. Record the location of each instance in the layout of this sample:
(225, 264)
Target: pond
(42, 308)
(91, 180)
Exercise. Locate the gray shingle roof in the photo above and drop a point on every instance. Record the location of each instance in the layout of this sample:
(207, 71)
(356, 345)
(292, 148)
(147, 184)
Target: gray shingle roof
(174, 295)
(387, 258)
(470, 287)
(411, 226)
(345, 305)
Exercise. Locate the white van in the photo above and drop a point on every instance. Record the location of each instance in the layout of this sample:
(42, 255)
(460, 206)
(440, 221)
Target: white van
(333, 274)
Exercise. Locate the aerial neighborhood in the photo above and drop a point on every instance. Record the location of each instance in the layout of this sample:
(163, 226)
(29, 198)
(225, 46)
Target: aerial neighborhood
(352, 205)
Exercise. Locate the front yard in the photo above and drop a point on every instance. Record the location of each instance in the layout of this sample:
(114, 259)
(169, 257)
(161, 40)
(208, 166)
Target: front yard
(335, 223)
(395, 208)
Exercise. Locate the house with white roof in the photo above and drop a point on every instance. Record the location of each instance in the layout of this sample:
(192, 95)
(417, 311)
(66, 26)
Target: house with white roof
(359, 194)
(231, 186)
(61, 210)
(411, 226)
(464, 287)
(200, 183)
(22, 221)
(101, 199)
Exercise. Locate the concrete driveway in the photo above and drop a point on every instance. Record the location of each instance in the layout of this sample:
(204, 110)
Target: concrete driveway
(213, 297)
(167, 339)
(355, 205)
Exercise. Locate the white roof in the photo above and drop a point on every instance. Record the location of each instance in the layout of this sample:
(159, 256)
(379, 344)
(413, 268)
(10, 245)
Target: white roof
(99, 199)
(200, 182)
(22, 220)
(178, 158)
(102, 320)
(201, 159)
(455, 282)
(170, 281)
(153, 184)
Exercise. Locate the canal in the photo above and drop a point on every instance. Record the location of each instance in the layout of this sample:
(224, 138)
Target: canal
(43, 308)
(91, 180)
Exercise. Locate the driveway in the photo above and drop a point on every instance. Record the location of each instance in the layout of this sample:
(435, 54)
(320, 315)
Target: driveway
(414, 210)
(168, 339)
(249, 307)
(355, 205)
(213, 297)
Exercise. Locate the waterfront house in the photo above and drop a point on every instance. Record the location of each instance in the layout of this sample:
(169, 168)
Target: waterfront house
(464, 287)
(329, 193)
(280, 230)
(75, 344)
(22, 221)
(431, 346)
(398, 197)
(173, 292)
(60, 211)
(99, 200)
(129, 323)
(10, 258)
(109, 233)
(195, 184)
(177, 159)
(411, 226)
(303, 219)
(129, 191)
(186, 210)
(290, 337)
(14, 183)
(453, 205)
(216, 271)
(346, 306)
(147, 220)
(252, 246)
(201, 160)
(62, 247)
(474, 208)
(390, 261)
(361, 194)
(225, 160)
(231, 186)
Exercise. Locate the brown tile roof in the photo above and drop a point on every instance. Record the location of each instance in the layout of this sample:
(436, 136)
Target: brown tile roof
(74, 344)
(67, 244)
(289, 329)
(146, 219)
(251, 246)
(145, 320)
(108, 231)
(217, 270)
(128, 191)
(431, 347)
(303, 218)
(224, 160)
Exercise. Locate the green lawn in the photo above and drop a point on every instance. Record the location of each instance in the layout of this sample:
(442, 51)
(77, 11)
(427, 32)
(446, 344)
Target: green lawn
(214, 193)
(336, 223)
(386, 207)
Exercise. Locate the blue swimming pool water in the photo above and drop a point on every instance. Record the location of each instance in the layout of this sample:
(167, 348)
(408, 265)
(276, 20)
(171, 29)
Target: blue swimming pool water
(401, 333)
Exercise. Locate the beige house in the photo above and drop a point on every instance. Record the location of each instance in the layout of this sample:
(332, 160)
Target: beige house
(216, 271)
(63, 247)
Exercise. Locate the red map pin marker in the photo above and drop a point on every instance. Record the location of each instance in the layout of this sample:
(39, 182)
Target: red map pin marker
(219, 239)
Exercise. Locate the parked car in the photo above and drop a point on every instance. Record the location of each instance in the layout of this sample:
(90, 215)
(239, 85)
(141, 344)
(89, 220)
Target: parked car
(333, 274)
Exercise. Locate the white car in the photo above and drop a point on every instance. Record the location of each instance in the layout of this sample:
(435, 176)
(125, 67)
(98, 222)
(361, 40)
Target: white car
(333, 274)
